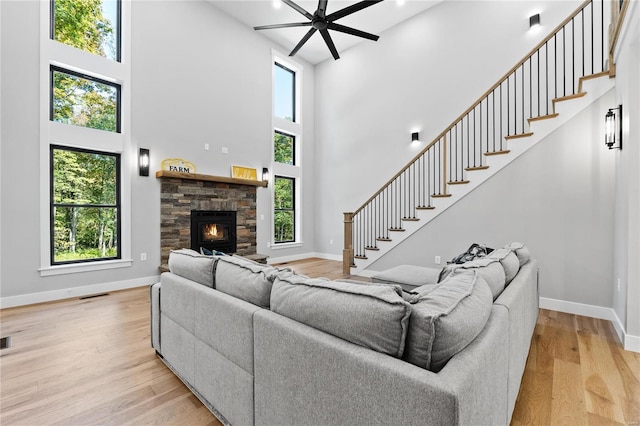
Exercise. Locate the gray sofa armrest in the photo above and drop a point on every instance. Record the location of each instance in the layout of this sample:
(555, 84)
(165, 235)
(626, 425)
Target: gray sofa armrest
(307, 377)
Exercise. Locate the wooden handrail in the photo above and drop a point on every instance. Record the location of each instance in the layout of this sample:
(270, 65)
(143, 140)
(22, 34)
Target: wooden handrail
(478, 101)
(617, 26)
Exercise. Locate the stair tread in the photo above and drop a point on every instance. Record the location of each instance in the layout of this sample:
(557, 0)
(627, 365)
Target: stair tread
(457, 182)
(372, 248)
(440, 195)
(425, 208)
(361, 257)
(542, 117)
(383, 239)
(471, 169)
(411, 219)
(506, 151)
(397, 229)
(518, 136)
(569, 97)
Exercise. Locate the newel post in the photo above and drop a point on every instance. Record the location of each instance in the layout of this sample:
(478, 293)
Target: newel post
(347, 252)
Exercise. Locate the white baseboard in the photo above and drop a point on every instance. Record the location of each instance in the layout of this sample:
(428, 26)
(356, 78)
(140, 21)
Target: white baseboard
(284, 259)
(67, 293)
(629, 342)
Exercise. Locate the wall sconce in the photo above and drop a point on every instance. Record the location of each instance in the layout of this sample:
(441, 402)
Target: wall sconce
(415, 137)
(613, 128)
(265, 175)
(534, 20)
(143, 161)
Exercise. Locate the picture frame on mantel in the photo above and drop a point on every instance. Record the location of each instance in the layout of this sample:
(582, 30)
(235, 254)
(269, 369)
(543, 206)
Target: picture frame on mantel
(246, 173)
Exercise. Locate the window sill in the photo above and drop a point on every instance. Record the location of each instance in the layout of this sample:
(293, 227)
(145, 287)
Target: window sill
(279, 246)
(84, 267)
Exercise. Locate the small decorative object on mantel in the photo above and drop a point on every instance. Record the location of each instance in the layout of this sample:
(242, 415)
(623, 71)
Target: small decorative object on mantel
(178, 165)
(247, 173)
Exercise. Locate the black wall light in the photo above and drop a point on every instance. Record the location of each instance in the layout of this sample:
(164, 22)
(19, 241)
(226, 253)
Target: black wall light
(534, 20)
(613, 128)
(415, 137)
(265, 175)
(143, 161)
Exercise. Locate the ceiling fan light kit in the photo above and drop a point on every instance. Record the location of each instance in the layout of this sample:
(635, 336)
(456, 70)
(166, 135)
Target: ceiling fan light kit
(322, 22)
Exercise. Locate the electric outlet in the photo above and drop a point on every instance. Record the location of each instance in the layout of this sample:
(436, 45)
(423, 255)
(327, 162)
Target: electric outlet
(206, 147)
(437, 260)
(143, 256)
(331, 242)
(261, 217)
(618, 284)
(225, 150)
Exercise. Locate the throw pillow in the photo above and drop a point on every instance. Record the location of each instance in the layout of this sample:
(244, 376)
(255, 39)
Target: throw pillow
(521, 251)
(192, 265)
(373, 316)
(244, 279)
(509, 262)
(445, 319)
(473, 252)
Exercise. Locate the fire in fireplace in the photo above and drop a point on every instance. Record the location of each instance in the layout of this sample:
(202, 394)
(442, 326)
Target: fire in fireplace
(213, 230)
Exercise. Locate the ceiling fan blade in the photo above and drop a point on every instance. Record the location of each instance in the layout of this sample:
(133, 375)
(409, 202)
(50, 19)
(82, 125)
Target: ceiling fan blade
(270, 27)
(352, 31)
(330, 45)
(298, 8)
(322, 5)
(351, 9)
(303, 41)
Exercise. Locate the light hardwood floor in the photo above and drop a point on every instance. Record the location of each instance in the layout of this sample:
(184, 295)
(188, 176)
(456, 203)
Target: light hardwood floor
(81, 362)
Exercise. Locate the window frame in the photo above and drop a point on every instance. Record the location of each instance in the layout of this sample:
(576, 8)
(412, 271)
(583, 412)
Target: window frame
(53, 205)
(293, 137)
(52, 25)
(294, 95)
(294, 129)
(55, 68)
(292, 209)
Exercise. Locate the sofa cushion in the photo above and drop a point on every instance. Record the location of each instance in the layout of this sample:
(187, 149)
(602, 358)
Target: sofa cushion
(520, 250)
(407, 276)
(509, 262)
(489, 268)
(446, 318)
(244, 279)
(192, 265)
(373, 316)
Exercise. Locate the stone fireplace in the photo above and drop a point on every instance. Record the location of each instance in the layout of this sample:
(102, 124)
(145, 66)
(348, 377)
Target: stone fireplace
(182, 193)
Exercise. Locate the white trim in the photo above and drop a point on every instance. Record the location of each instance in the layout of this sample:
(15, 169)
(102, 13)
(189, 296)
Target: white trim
(284, 259)
(629, 342)
(66, 293)
(85, 267)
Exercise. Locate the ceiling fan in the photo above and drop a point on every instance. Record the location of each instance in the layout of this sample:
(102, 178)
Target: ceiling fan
(322, 22)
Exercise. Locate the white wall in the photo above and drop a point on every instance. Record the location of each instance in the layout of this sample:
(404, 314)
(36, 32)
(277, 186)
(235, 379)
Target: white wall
(626, 269)
(419, 76)
(198, 77)
(557, 198)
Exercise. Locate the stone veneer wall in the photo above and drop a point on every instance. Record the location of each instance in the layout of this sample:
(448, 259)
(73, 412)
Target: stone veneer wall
(179, 196)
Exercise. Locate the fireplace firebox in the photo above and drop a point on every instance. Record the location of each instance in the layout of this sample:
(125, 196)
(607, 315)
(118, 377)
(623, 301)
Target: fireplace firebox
(213, 230)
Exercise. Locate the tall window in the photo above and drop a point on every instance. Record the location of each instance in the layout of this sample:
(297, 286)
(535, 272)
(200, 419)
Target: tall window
(89, 25)
(85, 205)
(85, 138)
(84, 100)
(285, 93)
(287, 168)
(285, 189)
(284, 148)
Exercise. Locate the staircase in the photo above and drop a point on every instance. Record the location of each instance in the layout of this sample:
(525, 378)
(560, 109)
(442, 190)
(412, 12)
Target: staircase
(562, 75)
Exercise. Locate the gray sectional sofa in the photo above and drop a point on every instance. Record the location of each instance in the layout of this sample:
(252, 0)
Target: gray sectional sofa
(265, 346)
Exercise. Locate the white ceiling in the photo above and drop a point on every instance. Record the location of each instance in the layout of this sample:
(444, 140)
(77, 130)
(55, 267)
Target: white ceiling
(374, 19)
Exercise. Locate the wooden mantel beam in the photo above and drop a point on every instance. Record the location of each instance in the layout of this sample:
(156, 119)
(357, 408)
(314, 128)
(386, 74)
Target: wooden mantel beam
(209, 178)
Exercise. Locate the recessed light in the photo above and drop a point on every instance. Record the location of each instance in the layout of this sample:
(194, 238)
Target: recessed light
(276, 3)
